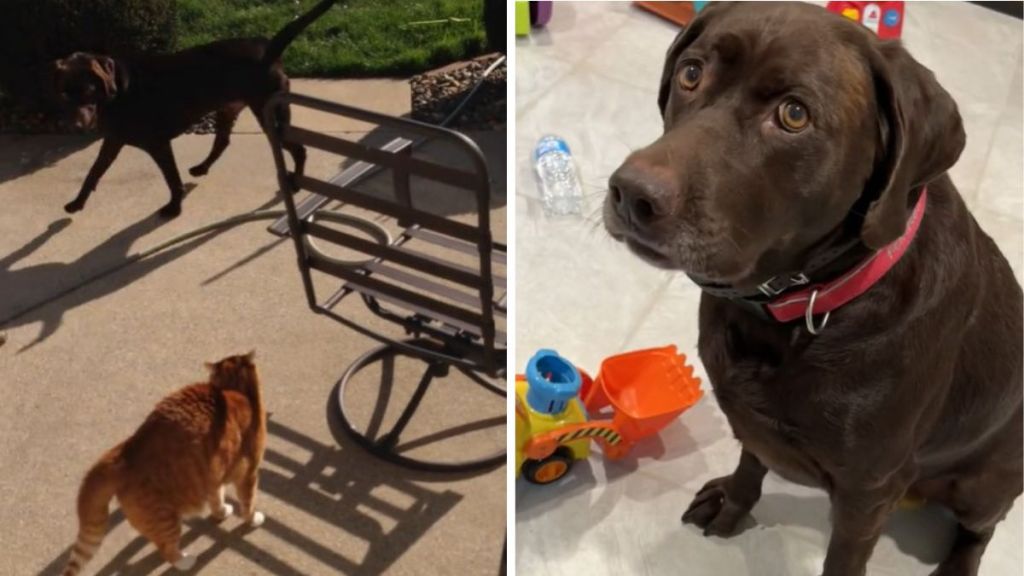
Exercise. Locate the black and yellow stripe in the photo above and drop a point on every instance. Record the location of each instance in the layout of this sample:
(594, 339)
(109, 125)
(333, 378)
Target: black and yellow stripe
(607, 434)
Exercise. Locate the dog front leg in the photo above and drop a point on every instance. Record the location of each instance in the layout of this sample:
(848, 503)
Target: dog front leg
(723, 502)
(108, 153)
(163, 155)
(858, 516)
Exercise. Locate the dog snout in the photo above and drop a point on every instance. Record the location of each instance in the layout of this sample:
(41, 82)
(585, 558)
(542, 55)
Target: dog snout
(641, 195)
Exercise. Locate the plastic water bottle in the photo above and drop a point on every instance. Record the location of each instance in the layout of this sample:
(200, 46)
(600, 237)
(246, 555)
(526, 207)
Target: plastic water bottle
(557, 178)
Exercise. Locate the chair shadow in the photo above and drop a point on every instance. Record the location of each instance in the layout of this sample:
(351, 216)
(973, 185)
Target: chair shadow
(334, 485)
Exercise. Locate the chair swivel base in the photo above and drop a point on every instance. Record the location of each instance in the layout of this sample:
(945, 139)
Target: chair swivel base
(386, 445)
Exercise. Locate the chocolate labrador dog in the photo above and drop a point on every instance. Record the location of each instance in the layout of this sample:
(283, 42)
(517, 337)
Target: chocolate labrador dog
(861, 332)
(150, 100)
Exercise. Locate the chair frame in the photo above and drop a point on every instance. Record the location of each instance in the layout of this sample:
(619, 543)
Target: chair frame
(440, 334)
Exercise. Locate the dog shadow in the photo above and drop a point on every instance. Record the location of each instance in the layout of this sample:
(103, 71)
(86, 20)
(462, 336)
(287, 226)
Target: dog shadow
(926, 533)
(43, 293)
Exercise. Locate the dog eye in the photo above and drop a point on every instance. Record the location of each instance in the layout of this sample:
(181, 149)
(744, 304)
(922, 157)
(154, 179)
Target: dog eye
(793, 116)
(689, 78)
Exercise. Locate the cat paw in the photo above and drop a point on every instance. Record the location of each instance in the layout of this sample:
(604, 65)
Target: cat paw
(225, 511)
(186, 562)
(257, 520)
(198, 170)
(73, 206)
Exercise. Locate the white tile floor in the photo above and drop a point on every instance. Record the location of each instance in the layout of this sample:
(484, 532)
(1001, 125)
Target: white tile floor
(592, 78)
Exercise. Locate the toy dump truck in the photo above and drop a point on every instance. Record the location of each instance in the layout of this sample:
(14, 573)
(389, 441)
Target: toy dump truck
(560, 409)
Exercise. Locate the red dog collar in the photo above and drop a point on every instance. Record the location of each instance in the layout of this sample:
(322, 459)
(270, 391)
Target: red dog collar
(823, 298)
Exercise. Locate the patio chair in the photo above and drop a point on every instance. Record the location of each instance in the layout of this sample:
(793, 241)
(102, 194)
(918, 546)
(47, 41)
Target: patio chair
(442, 308)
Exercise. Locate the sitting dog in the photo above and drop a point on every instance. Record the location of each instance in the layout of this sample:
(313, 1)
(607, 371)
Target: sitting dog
(148, 101)
(860, 331)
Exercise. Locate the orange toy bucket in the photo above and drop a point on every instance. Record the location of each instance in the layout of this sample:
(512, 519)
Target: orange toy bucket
(647, 389)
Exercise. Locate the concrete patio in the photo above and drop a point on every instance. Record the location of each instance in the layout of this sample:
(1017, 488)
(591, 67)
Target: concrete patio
(80, 373)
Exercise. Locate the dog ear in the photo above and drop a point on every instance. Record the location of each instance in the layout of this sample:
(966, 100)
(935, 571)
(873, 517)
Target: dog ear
(684, 39)
(106, 70)
(922, 137)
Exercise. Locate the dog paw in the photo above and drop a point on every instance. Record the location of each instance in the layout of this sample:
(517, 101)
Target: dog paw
(714, 511)
(257, 519)
(73, 206)
(198, 170)
(225, 511)
(186, 562)
(170, 211)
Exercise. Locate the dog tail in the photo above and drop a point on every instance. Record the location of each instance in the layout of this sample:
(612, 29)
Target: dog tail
(282, 39)
(98, 488)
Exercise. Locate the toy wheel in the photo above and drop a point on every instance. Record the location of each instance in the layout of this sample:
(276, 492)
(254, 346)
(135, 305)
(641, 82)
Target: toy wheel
(547, 470)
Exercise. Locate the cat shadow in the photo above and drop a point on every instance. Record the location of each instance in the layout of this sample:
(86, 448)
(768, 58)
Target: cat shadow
(348, 490)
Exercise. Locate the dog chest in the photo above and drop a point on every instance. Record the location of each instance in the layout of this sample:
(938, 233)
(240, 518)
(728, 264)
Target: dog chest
(768, 415)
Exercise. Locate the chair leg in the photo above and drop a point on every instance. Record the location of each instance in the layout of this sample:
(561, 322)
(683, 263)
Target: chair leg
(389, 440)
(386, 445)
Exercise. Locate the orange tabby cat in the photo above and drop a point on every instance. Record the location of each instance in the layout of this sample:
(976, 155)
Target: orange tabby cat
(194, 442)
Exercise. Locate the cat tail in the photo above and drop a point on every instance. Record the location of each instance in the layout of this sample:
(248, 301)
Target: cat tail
(100, 485)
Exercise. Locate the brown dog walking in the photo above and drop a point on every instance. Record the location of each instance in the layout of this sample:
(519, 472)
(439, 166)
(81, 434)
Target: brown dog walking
(148, 101)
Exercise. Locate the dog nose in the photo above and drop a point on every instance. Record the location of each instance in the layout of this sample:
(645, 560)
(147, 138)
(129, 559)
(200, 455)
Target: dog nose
(640, 195)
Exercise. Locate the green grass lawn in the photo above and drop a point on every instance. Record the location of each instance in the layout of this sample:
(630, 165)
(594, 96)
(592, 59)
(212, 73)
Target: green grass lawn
(355, 38)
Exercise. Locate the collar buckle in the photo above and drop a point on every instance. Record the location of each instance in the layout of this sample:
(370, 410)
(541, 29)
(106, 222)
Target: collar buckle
(778, 284)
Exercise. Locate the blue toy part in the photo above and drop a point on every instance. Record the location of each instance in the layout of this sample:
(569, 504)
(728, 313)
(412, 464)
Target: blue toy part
(698, 6)
(553, 382)
(891, 18)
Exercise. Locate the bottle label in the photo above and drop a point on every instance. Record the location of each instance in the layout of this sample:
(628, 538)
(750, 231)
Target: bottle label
(551, 145)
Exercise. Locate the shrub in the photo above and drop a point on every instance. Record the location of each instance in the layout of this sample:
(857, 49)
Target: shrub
(35, 32)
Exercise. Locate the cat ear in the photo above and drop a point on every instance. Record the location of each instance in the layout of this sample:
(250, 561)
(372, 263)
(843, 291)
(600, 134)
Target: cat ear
(212, 367)
(251, 355)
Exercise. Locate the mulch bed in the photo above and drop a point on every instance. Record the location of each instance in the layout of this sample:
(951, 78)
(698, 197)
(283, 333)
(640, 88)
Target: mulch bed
(16, 120)
(436, 94)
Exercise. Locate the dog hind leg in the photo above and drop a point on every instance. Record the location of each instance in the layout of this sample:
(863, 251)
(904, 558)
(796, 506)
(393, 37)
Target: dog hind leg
(297, 151)
(224, 122)
(980, 499)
